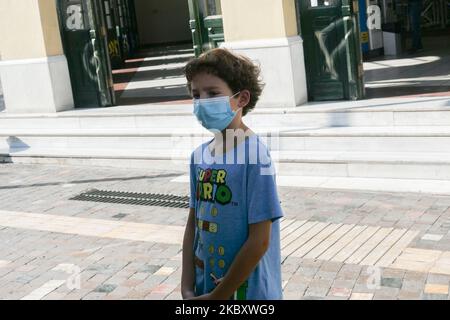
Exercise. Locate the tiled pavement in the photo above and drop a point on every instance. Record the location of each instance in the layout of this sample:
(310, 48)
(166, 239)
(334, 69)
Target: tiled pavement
(335, 245)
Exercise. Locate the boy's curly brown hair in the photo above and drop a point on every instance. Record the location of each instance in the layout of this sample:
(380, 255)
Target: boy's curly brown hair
(239, 72)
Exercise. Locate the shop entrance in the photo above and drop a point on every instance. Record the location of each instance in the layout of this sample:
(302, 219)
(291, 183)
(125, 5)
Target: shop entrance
(133, 51)
(393, 67)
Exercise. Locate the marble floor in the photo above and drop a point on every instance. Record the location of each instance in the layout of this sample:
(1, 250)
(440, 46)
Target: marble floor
(423, 74)
(153, 75)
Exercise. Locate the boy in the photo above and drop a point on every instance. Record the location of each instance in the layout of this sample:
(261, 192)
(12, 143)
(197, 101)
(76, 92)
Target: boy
(231, 247)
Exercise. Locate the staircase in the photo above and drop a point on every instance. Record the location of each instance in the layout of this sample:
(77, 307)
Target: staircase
(388, 145)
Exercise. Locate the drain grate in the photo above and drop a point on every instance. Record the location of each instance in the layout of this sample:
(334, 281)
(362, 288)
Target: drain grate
(143, 199)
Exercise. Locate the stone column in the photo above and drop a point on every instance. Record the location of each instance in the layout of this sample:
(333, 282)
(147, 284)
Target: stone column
(266, 31)
(33, 68)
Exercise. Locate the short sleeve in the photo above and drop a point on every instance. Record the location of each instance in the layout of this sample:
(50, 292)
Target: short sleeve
(262, 196)
(193, 182)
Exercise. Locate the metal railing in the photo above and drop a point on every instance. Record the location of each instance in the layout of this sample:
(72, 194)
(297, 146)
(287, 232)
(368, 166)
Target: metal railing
(436, 13)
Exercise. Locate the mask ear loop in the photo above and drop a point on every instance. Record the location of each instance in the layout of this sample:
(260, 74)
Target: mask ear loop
(234, 95)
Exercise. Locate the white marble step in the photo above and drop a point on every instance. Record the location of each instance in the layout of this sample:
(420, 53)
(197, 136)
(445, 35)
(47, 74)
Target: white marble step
(351, 139)
(438, 187)
(400, 104)
(400, 165)
(297, 131)
(375, 112)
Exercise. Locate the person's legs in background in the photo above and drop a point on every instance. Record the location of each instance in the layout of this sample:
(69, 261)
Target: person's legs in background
(415, 13)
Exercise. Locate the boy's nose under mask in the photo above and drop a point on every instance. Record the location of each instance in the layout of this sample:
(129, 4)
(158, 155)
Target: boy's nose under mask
(215, 114)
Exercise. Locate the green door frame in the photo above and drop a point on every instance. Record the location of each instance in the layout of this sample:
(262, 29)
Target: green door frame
(195, 25)
(133, 35)
(355, 67)
(206, 26)
(333, 57)
(83, 35)
(111, 16)
(123, 28)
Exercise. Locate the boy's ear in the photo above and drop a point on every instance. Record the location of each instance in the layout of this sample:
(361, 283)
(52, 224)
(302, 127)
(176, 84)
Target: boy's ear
(244, 98)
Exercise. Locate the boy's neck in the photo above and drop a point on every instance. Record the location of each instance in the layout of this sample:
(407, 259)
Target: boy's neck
(240, 126)
(221, 142)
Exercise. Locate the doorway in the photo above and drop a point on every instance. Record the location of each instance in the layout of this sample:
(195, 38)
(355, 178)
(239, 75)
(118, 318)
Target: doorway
(134, 51)
(397, 71)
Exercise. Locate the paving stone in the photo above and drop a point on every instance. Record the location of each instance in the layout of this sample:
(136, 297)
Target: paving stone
(437, 289)
(438, 279)
(391, 282)
(413, 275)
(316, 291)
(351, 269)
(361, 296)
(292, 295)
(295, 287)
(393, 273)
(300, 278)
(119, 292)
(174, 296)
(77, 294)
(363, 288)
(432, 296)
(348, 284)
(312, 297)
(325, 275)
(155, 296)
(340, 292)
(165, 271)
(55, 296)
(412, 285)
(106, 288)
(94, 296)
(331, 266)
(308, 271)
(329, 297)
(432, 237)
(135, 294)
(309, 263)
(409, 295)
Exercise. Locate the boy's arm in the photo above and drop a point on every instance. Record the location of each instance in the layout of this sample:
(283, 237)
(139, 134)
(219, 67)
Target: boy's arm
(188, 268)
(244, 263)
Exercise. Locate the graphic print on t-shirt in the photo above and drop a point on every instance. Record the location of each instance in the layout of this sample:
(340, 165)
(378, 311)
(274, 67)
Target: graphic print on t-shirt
(212, 191)
(212, 187)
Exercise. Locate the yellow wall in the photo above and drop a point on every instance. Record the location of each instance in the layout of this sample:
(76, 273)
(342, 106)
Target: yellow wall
(290, 18)
(258, 19)
(28, 29)
(50, 27)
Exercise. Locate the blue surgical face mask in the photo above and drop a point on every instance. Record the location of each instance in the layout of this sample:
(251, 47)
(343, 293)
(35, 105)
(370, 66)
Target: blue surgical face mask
(214, 114)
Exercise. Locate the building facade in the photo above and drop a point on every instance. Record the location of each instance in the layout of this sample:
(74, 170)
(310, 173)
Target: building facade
(60, 53)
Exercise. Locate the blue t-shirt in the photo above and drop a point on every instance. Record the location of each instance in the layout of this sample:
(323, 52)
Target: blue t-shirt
(229, 192)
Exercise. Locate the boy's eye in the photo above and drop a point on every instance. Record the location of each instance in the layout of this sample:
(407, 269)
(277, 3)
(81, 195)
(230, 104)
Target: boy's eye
(209, 94)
